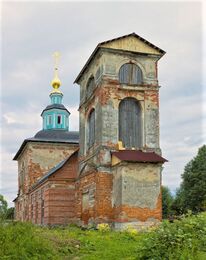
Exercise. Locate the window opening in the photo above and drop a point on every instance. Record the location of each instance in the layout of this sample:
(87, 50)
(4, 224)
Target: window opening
(91, 122)
(130, 74)
(59, 119)
(130, 123)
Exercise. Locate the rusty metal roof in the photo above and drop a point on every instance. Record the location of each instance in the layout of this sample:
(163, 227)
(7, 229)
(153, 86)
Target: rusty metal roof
(139, 156)
(121, 37)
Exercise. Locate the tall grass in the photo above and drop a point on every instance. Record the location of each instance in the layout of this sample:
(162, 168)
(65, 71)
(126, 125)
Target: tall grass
(22, 241)
(184, 239)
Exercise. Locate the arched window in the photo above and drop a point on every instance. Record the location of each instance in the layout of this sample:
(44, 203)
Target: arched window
(130, 74)
(130, 123)
(90, 86)
(91, 128)
(59, 119)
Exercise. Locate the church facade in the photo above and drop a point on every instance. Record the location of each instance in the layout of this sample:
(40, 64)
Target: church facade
(109, 172)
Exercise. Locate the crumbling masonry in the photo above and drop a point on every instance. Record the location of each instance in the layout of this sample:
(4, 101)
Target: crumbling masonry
(111, 172)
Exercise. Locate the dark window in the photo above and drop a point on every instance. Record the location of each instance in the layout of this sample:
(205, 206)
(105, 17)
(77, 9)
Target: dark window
(59, 119)
(90, 86)
(130, 123)
(130, 74)
(91, 128)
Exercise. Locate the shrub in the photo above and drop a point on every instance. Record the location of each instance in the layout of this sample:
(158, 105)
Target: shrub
(183, 239)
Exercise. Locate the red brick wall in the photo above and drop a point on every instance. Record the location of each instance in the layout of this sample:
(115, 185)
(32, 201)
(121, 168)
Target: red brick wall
(52, 155)
(58, 196)
(99, 187)
(83, 185)
(39, 158)
(126, 213)
(104, 211)
(60, 205)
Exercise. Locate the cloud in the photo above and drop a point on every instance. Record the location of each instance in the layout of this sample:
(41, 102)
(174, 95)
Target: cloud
(17, 126)
(8, 176)
(32, 31)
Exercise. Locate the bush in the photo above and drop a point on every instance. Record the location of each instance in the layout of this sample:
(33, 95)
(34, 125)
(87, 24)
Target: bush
(183, 239)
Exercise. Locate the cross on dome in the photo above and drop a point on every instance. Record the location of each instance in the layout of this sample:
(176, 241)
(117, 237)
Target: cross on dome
(56, 81)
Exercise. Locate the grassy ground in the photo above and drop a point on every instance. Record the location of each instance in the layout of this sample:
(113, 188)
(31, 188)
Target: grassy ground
(185, 239)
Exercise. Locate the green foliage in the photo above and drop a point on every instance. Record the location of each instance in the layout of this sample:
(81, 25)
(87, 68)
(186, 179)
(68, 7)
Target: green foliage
(93, 244)
(10, 213)
(167, 201)
(183, 239)
(192, 192)
(22, 241)
(5, 212)
(3, 207)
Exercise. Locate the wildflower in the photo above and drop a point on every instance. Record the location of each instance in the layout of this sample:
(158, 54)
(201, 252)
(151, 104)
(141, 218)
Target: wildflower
(103, 227)
(131, 230)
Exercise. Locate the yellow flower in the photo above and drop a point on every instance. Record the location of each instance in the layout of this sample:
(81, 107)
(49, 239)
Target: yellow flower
(103, 227)
(130, 230)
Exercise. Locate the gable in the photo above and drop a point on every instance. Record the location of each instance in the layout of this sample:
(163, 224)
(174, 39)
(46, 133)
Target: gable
(68, 170)
(132, 43)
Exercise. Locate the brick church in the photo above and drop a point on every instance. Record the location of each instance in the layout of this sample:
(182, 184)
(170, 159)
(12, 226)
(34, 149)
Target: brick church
(109, 171)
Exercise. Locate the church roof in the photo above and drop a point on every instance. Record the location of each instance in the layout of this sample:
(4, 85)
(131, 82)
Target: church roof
(138, 156)
(55, 106)
(107, 44)
(51, 136)
(58, 135)
(54, 169)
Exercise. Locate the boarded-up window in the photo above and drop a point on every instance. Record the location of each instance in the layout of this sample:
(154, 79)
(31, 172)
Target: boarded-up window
(32, 201)
(130, 123)
(91, 128)
(90, 86)
(85, 201)
(42, 206)
(130, 74)
(36, 213)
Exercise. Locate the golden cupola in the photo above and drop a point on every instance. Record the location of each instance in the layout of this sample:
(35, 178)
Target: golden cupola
(55, 116)
(56, 81)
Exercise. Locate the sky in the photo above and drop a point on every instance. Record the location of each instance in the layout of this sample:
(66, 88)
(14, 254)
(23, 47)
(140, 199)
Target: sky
(32, 30)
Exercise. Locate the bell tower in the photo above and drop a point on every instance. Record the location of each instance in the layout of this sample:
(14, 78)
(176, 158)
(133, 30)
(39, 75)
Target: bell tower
(120, 157)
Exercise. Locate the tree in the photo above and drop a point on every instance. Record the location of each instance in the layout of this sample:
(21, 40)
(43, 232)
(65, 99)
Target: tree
(10, 213)
(3, 207)
(192, 192)
(167, 201)
(5, 212)
(177, 205)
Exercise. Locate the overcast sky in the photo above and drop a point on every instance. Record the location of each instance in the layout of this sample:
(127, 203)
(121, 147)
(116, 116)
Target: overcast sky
(32, 31)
